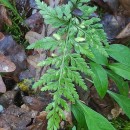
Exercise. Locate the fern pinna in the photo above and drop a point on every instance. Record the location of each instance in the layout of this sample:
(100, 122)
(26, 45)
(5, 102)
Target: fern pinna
(78, 34)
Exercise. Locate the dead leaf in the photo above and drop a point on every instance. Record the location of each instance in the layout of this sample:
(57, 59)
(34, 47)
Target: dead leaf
(34, 103)
(32, 36)
(4, 17)
(68, 117)
(108, 5)
(32, 112)
(113, 4)
(116, 111)
(35, 22)
(125, 32)
(40, 122)
(6, 65)
(7, 128)
(34, 60)
(2, 86)
(126, 5)
(42, 116)
(1, 36)
(25, 107)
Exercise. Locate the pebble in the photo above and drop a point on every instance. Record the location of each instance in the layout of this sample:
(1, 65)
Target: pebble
(1, 108)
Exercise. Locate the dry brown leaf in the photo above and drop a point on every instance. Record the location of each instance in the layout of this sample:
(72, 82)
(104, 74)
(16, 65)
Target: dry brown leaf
(4, 17)
(1, 36)
(35, 22)
(34, 60)
(7, 128)
(42, 116)
(126, 5)
(2, 86)
(25, 107)
(113, 4)
(32, 112)
(125, 32)
(6, 65)
(68, 116)
(32, 37)
(116, 111)
(34, 103)
(40, 122)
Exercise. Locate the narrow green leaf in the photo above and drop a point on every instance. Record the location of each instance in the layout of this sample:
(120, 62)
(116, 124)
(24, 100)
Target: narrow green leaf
(119, 81)
(79, 116)
(123, 101)
(120, 53)
(94, 120)
(100, 79)
(121, 69)
(7, 4)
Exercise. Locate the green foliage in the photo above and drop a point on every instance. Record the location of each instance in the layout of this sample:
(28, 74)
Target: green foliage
(17, 20)
(7, 4)
(100, 79)
(98, 57)
(121, 124)
(81, 50)
(121, 69)
(116, 49)
(127, 126)
(123, 101)
(121, 84)
(94, 120)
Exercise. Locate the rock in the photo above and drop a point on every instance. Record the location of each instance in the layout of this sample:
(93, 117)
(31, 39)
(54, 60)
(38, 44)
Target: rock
(16, 118)
(14, 52)
(27, 74)
(1, 108)
(2, 86)
(34, 103)
(35, 22)
(113, 25)
(7, 98)
(6, 65)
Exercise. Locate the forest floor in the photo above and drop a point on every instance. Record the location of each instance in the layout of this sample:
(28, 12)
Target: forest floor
(21, 107)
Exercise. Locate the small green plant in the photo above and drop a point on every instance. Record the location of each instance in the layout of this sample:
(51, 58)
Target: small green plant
(17, 21)
(7, 4)
(121, 124)
(81, 49)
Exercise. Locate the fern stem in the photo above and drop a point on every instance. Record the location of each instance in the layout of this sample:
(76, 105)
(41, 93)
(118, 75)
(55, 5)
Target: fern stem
(89, 80)
(64, 54)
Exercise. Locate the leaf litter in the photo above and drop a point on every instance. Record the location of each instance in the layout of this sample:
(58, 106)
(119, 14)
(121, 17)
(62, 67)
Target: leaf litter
(19, 64)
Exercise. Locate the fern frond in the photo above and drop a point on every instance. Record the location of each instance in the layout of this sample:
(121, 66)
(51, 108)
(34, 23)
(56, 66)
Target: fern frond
(75, 37)
(55, 17)
(43, 43)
